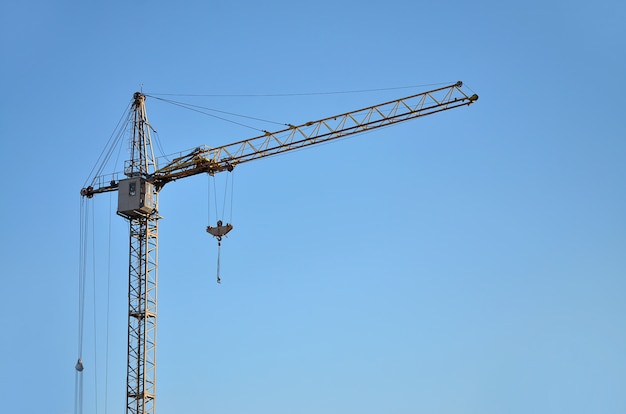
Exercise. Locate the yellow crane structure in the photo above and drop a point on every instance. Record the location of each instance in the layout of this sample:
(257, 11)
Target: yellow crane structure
(145, 175)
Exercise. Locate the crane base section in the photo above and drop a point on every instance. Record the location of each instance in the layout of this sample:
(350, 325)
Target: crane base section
(136, 198)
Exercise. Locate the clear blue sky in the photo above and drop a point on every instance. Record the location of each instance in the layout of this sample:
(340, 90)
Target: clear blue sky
(469, 262)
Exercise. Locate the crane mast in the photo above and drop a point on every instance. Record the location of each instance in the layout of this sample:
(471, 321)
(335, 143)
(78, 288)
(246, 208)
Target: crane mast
(138, 203)
(144, 178)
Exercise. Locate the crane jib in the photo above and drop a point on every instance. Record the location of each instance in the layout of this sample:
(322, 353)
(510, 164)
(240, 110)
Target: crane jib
(225, 158)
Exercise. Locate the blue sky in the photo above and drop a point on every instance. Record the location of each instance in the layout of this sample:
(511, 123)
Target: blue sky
(469, 262)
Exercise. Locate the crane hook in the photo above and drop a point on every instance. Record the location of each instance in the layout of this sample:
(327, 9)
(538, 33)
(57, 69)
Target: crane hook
(218, 232)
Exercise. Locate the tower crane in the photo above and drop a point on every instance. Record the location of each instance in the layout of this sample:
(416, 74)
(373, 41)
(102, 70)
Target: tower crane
(145, 175)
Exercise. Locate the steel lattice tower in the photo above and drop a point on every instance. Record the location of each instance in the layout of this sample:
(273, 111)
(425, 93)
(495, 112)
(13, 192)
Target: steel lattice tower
(138, 203)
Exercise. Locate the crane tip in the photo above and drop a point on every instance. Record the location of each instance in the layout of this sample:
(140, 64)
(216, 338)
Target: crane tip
(87, 192)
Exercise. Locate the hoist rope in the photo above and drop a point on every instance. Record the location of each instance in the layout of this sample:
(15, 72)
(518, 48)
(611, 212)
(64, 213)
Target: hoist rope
(219, 219)
(95, 319)
(232, 195)
(231, 178)
(215, 198)
(106, 358)
(219, 248)
(78, 392)
(208, 199)
(87, 253)
(78, 380)
(225, 197)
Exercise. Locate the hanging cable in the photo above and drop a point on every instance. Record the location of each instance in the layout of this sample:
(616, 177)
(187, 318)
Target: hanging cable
(95, 314)
(108, 307)
(203, 110)
(79, 367)
(112, 143)
(219, 249)
(221, 229)
(265, 95)
(232, 192)
(208, 199)
(224, 198)
(78, 389)
(215, 199)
